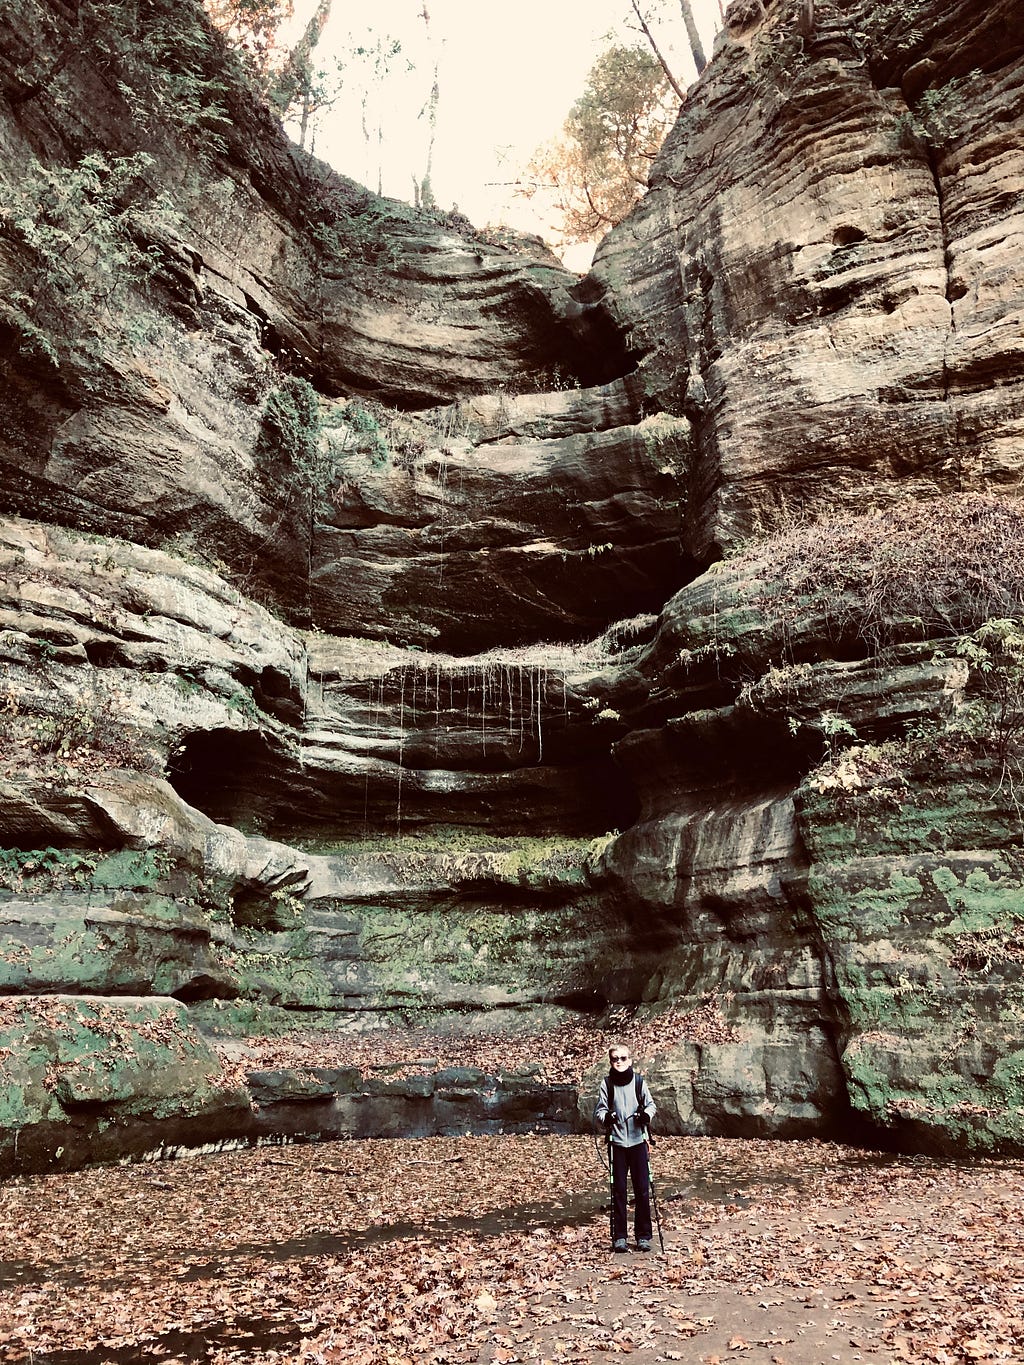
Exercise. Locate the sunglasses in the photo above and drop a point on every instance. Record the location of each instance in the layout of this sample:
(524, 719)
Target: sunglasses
(620, 1057)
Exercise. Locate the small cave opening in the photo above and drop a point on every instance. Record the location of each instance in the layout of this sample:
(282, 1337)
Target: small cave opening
(202, 986)
(233, 776)
(600, 353)
(848, 236)
(103, 653)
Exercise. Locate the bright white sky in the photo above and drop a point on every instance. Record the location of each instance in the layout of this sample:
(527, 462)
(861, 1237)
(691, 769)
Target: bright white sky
(508, 75)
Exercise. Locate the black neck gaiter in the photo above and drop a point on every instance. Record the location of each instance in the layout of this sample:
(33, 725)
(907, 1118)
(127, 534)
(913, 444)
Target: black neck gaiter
(622, 1077)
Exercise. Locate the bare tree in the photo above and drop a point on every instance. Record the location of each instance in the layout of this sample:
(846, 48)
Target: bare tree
(699, 60)
(424, 193)
(372, 63)
(669, 76)
(295, 85)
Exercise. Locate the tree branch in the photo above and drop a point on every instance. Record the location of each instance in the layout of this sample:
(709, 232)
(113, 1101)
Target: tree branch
(657, 52)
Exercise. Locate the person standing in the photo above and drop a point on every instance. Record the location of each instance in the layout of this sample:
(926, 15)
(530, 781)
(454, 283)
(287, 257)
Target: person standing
(624, 1110)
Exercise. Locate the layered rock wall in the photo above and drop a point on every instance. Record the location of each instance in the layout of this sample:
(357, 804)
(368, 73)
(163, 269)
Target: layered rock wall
(821, 277)
(365, 666)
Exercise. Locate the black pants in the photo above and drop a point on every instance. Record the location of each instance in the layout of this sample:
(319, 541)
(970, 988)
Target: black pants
(631, 1161)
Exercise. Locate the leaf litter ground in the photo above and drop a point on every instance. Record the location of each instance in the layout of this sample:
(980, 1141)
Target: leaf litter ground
(459, 1250)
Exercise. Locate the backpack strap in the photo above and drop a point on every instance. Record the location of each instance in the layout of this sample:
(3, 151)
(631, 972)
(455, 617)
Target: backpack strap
(638, 1084)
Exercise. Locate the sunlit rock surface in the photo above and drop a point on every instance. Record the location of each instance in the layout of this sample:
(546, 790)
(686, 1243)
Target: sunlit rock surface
(437, 713)
(826, 283)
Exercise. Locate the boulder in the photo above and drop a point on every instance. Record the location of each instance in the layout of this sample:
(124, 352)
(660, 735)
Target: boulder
(89, 1079)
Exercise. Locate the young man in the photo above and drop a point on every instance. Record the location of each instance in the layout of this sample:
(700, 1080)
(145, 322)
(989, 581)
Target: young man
(624, 1110)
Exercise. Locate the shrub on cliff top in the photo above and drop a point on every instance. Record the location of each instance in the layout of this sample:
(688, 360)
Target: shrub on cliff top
(918, 569)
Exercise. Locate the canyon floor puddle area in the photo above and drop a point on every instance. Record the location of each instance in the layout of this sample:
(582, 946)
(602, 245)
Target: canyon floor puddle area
(495, 1249)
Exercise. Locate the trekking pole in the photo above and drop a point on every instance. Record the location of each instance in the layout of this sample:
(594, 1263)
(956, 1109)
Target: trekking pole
(654, 1193)
(611, 1192)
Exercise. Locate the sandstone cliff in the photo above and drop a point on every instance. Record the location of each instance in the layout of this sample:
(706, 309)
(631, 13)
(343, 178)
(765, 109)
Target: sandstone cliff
(399, 632)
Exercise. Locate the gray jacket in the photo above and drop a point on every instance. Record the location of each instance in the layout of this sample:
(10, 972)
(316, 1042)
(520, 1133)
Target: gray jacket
(622, 1105)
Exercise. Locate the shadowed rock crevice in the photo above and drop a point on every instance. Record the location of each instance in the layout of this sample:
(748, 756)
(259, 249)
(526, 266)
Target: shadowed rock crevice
(600, 353)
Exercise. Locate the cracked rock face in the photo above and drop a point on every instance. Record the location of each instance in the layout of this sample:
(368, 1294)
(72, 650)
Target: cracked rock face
(824, 282)
(436, 710)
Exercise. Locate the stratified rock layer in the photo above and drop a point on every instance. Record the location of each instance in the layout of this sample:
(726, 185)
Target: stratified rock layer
(826, 280)
(363, 660)
(507, 521)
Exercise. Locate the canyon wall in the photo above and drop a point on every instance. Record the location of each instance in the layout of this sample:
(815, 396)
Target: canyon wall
(402, 638)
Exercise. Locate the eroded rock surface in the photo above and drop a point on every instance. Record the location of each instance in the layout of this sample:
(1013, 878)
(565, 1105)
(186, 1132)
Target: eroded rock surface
(364, 663)
(507, 521)
(822, 277)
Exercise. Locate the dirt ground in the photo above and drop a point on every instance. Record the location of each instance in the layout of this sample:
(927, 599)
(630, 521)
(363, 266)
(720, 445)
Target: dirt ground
(496, 1250)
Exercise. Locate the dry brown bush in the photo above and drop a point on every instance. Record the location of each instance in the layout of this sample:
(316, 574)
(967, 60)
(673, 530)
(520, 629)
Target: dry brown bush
(917, 569)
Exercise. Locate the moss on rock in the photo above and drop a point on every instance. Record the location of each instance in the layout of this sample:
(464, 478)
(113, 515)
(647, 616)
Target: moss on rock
(62, 1057)
(921, 912)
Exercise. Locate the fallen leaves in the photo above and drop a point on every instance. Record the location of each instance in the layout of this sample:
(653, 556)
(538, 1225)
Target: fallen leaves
(563, 1055)
(458, 1251)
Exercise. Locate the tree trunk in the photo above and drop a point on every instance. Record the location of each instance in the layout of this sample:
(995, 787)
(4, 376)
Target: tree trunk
(805, 21)
(303, 49)
(426, 196)
(699, 60)
(304, 120)
(657, 52)
(296, 75)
